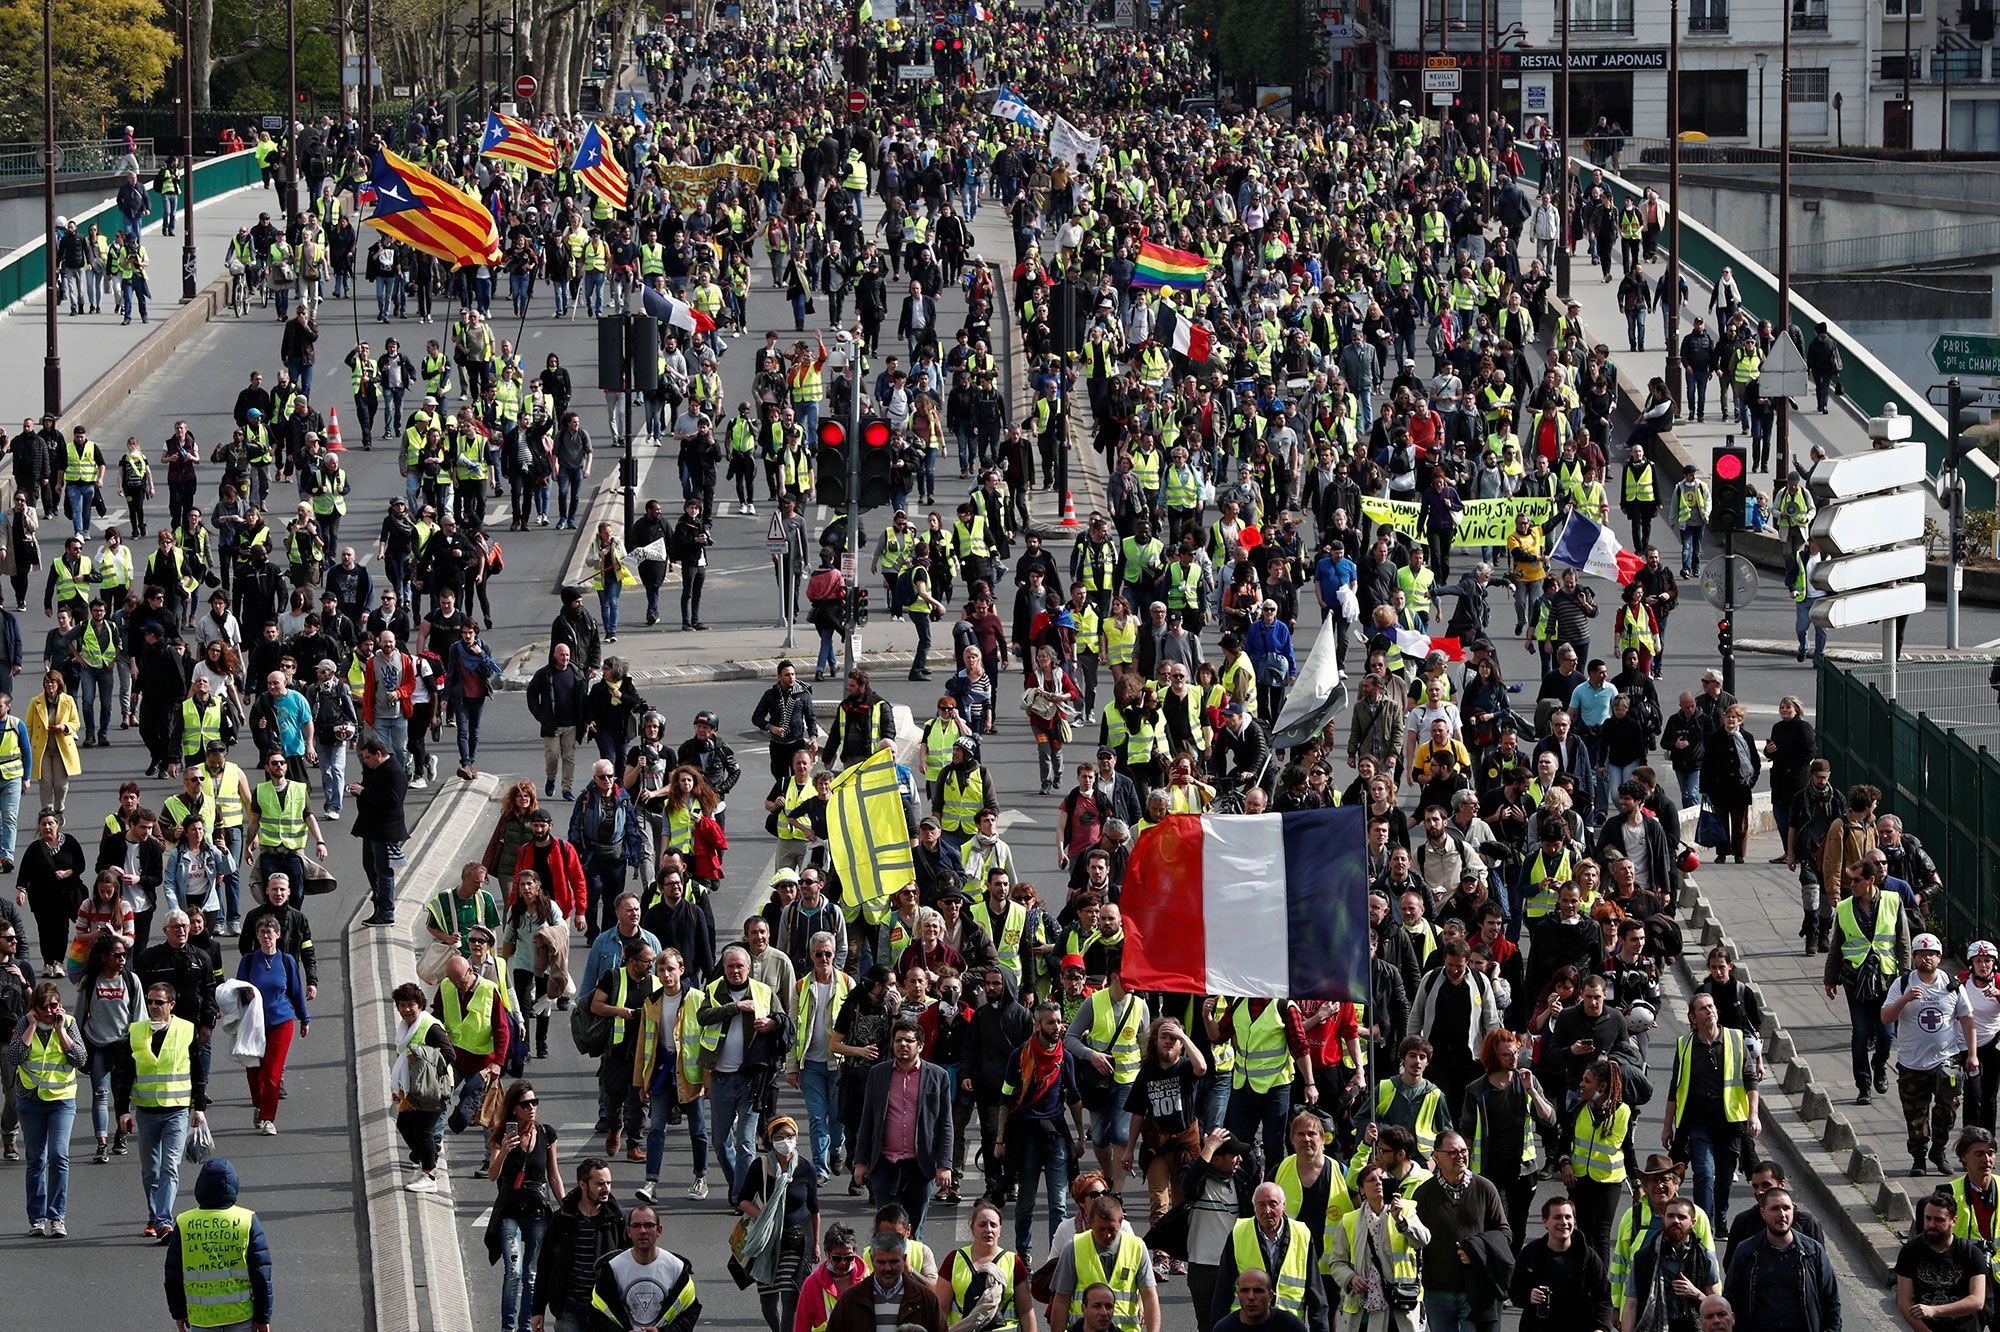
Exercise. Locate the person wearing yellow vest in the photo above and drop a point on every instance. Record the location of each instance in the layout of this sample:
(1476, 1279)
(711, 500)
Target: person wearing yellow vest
(1015, 1300)
(15, 747)
(280, 823)
(168, 1091)
(1499, 1117)
(1271, 1242)
(1106, 1038)
(1271, 1054)
(735, 1011)
(476, 1024)
(963, 789)
(810, 1064)
(1596, 1151)
(667, 1278)
(622, 994)
(1106, 1253)
(1411, 1099)
(1713, 1104)
(218, 1260)
(228, 792)
(47, 1051)
(1870, 935)
(1353, 1256)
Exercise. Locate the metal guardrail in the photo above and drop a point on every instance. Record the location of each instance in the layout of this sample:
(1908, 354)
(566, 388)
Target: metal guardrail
(1898, 249)
(78, 157)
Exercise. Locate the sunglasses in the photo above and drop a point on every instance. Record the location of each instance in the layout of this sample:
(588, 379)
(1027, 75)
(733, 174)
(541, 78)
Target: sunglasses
(159, 1003)
(1096, 1193)
(528, 1100)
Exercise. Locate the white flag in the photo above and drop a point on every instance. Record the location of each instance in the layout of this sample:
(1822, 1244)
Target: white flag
(652, 550)
(1067, 143)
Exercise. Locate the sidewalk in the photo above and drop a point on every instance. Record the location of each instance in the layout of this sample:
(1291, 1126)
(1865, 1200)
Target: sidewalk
(92, 345)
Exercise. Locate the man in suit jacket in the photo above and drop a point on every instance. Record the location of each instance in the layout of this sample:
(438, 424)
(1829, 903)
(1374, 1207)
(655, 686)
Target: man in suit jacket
(906, 1127)
(918, 322)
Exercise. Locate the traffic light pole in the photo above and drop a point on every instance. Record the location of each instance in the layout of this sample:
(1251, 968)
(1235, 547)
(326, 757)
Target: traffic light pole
(853, 495)
(1729, 610)
(1954, 503)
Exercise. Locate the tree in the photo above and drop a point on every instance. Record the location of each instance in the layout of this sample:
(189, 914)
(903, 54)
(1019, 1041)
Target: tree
(107, 53)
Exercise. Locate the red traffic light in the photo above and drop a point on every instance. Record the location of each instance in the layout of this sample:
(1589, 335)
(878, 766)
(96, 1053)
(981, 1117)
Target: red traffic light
(832, 434)
(875, 434)
(1728, 466)
(938, 45)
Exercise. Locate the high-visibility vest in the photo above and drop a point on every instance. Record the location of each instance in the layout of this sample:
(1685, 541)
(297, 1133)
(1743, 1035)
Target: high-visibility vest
(1402, 1257)
(1476, 1134)
(1748, 363)
(1693, 502)
(1133, 744)
(970, 537)
(1087, 638)
(1339, 1202)
(1120, 642)
(1637, 486)
(83, 463)
(1005, 1318)
(215, 1264)
(762, 999)
(199, 726)
(98, 652)
(1965, 1224)
(896, 549)
(1183, 587)
(1180, 489)
(1123, 1278)
(1630, 224)
(1416, 586)
(163, 1081)
(963, 798)
(680, 827)
(1735, 1095)
(46, 1074)
(1546, 880)
(1598, 1150)
(1856, 947)
(1794, 508)
(939, 739)
(1005, 933)
(1117, 1035)
(1263, 1059)
(72, 581)
(1288, 1283)
(1426, 1128)
(281, 818)
(470, 1024)
(12, 756)
(225, 792)
(1639, 1224)
(796, 793)
(808, 383)
(1635, 630)
(803, 1016)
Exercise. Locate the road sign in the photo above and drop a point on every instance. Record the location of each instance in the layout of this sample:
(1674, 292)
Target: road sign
(857, 99)
(1443, 80)
(1855, 572)
(1440, 99)
(525, 87)
(1744, 583)
(1980, 400)
(1441, 62)
(1870, 521)
(1870, 607)
(1867, 473)
(1966, 354)
(916, 73)
(1783, 373)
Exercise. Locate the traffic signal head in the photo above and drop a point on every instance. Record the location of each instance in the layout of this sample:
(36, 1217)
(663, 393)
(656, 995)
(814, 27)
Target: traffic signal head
(1723, 641)
(1730, 468)
(877, 463)
(1959, 441)
(830, 466)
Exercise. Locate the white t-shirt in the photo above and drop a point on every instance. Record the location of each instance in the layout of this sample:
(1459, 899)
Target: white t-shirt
(1927, 1033)
(1985, 1011)
(646, 1286)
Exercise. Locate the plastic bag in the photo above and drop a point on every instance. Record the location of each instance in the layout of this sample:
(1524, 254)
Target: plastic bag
(200, 1142)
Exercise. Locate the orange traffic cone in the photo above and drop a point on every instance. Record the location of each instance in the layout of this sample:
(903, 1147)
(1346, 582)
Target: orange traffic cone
(332, 441)
(1069, 511)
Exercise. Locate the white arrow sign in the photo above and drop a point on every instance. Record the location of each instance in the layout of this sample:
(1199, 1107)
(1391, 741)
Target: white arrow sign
(1868, 473)
(1870, 607)
(1855, 572)
(1872, 521)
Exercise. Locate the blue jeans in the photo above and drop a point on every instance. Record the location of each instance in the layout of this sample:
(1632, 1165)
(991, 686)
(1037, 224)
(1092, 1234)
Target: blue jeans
(10, 816)
(1691, 548)
(827, 662)
(469, 710)
(1212, 1098)
(1043, 1161)
(593, 293)
(520, 1255)
(517, 291)
(1868, 1030)
(1448, 1311)
(734, 1096)
(101, 1059)
(1690, 783)
(385, 294)
(395, 733)
(170, 207)
(822, 1092)
(694, 1111)
(607, 608)
(162, 1134)
(569, 491)
(1697, 394)
(1711, 1169)
(1804, 626)
(333, 774)
(79, 500)
(45, 1129)
(1251, 1111)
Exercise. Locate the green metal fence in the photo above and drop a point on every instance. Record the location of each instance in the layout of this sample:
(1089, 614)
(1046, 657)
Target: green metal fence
(22, 273)
(1946, 791)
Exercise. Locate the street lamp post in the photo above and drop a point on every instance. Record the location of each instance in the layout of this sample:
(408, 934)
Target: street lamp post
(1562, 178)
(368, 71)
(187, 160)
(1673, 283)
(1761, 57)
(51, 355)
(1784, 325)
(482, 62)
(289, 195)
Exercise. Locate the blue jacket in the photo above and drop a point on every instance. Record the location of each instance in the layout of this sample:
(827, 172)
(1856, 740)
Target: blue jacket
(583, 821)
(607, 950)
(173, 889)
(217, 1188)
(1263, 640)
(280, 983)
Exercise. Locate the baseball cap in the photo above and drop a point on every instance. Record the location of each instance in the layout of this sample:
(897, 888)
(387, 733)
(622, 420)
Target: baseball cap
(1233, 710)
(1926, 943)
(1072, 960)
(930, 821)
(541, 815)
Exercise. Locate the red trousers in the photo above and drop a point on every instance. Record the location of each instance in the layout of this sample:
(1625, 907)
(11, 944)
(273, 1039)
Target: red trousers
(264, 1078)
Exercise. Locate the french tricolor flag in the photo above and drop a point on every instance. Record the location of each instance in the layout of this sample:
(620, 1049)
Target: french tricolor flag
(678, 314)
(1588, 545)
(1260, 906)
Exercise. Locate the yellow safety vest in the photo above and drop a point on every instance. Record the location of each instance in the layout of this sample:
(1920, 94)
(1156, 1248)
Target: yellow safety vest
(1426, 1129)
(46, 1073)
(1120, 643)
(962, 801)
(802, 1010)
(471, 1027)
(1005, 1318)
(1402, 1258)
(1123, 1279)
(796, 794)
(72, 580)
(939, 741)
(1856, 947)
(163, 1081)
(1598, 1150)
(225, 793)
(1005, 933)
(197, 729)
(83, 463)
(1288, 1283)
(1735, 1095)
(1118, 1036)
(215, 1264)
(12, 757)
(96, 652)
(761, 998)
(281, 819)
(1263, 1060)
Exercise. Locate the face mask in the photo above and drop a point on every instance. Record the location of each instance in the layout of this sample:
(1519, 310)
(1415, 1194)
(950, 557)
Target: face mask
(784, 1147)
(159, 1024)
(949, 994)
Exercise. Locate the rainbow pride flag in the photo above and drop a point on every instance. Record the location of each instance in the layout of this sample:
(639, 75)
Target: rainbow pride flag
(1161, 267)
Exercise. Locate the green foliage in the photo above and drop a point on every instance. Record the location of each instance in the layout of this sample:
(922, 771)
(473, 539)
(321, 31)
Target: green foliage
(1257, 41)
(107, 52)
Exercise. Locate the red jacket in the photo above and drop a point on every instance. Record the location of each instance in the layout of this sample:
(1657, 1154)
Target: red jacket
(709, 844)
(565, 885)
(406, 686)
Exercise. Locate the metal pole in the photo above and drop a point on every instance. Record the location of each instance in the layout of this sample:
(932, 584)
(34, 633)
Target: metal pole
(368, 71)
(51, 352)
(1760, 102)
(628, 472)
(1673, 283)
(1889, 655)
(1784, 324)
(188, 263)
(482, 63)
(290, 191)
(1729, 607)
(1943, 57)
(1909, 112)
(1568, 147)
(1955, 514)
(853, 490)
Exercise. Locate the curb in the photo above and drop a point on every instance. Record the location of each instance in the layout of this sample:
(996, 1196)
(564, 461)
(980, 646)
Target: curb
(417, 1274)
(1861, 1202)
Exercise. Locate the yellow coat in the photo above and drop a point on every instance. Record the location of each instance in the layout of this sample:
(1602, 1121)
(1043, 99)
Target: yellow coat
(38, 731)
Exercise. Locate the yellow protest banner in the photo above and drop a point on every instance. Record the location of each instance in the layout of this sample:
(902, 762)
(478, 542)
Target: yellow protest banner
(1486, 522)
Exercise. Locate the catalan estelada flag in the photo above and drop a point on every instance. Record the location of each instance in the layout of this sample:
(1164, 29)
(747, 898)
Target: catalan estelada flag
(599, 170)
(1159, 266)
(867, 833)
(510, 140)
(429, 215)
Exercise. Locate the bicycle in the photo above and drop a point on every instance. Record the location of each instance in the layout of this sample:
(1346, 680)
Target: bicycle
(239, 288)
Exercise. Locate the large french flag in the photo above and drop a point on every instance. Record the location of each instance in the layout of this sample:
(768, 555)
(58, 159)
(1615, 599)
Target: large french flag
(1260, 906)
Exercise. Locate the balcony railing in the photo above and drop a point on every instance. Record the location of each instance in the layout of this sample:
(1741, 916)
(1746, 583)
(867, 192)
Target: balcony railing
(1708, 23)
(1616, 23)
(1808, 22)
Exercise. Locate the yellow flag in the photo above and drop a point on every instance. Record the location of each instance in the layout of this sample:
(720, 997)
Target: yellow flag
(867, 834)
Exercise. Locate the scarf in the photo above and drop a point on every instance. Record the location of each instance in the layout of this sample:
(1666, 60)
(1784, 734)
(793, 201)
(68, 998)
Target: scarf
(1041, 1069)
(761, 1236)
(399, 1076)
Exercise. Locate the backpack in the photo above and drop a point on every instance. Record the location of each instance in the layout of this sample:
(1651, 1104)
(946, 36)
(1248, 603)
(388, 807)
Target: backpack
(826, 585)
(517, 1045)
(430, 1078)
(590, 1031)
